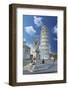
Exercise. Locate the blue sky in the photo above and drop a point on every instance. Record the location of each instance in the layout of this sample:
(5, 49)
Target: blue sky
(32, 27)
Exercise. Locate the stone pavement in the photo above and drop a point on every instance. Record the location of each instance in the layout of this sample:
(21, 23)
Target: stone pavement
(40, 68)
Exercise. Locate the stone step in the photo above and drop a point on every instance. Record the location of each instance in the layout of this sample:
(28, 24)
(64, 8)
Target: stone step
(39, 67)
(43, 67)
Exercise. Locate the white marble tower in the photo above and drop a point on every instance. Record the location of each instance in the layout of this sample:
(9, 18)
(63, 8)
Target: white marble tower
(44, 43)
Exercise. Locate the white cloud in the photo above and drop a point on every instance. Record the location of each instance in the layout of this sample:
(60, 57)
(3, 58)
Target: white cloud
(38, 21)
(30, 30)
(55, 29)
(55, 32)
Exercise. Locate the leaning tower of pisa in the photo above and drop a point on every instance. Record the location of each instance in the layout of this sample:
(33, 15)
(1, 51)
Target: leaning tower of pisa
(44, 43)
